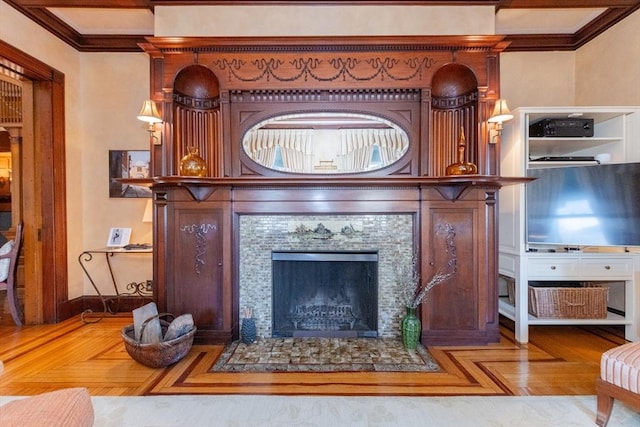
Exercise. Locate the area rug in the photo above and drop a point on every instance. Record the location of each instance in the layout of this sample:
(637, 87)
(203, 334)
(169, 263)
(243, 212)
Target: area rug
(324, 355)
(352, 411)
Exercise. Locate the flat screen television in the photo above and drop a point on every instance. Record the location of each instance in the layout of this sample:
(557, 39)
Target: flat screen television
(581, 206)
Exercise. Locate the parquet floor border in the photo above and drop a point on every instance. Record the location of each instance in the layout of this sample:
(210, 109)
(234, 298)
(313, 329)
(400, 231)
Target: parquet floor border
(48, 357)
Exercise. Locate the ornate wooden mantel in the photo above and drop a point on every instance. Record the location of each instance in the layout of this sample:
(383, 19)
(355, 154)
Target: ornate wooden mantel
(429, 86)
(242, 80)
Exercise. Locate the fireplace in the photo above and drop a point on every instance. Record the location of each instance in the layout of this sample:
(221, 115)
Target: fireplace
(387, 236)
(325, 294)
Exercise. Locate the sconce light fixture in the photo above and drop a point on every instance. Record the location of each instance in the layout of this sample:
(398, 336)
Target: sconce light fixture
(149, 113)
(500, 115)
(148, 212)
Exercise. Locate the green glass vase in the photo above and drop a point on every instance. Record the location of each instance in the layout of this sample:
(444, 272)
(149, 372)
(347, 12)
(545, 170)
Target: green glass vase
(410, 329)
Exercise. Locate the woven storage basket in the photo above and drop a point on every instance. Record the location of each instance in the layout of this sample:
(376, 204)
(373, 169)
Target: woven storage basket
(568, 302)
(158, 355)
(511, 290)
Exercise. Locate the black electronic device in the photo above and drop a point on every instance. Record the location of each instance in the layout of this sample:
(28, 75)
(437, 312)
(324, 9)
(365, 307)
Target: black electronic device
(564, 159)
(570, 127)
(578, 206)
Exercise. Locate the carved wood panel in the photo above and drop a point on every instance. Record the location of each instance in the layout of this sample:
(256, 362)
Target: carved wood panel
(195, 262)
(461, 309)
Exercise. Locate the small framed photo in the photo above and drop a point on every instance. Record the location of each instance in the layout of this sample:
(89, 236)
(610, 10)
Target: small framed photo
(119, 237)
(131, 165)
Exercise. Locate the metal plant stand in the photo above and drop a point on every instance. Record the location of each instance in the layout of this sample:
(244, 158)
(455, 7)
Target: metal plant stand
(110, 304)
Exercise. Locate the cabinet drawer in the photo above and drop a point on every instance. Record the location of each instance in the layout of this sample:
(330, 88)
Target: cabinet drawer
(607, 268)
(556, 268)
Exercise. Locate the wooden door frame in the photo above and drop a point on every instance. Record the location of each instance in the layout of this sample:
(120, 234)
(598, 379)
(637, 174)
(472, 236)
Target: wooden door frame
(43, 190)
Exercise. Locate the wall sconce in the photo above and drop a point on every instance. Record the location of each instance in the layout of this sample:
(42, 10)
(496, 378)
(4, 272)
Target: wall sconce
(149, 113)
(147, 217)
(500, 115)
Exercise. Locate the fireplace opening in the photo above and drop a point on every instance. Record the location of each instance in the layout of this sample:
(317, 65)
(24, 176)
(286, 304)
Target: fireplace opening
(325, 294)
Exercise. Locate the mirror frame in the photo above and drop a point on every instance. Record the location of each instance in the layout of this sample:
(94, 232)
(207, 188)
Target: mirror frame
(401, 107)
(313, 121)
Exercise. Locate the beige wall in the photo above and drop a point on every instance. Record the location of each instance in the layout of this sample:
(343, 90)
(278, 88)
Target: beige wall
(530, 79)
(603, 72)
(105, 90)
(120, 83)
(113, 88)
(22, 33)
(606, 75)
(322, 20)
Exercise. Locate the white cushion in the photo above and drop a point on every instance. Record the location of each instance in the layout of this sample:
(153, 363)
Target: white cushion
(621, 366)
(4, 263)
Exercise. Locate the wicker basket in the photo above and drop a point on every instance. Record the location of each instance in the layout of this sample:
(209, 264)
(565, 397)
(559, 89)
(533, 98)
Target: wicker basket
(568, 302)
(158, 355)
(511, 289)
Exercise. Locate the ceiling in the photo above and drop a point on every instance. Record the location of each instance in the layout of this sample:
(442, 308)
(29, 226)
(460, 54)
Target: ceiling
(529, 25)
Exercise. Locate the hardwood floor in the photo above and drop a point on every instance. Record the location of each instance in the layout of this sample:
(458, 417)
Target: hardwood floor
(557, 361)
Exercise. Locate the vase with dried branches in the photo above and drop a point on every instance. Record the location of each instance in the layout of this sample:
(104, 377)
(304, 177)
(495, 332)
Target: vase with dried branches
(248, 332)
(414, 291)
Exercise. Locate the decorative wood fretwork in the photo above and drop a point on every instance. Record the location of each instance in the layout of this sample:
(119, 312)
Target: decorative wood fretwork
(10, 103)
(327, 62)
(199, 231)
(316, 69)
(336, 96)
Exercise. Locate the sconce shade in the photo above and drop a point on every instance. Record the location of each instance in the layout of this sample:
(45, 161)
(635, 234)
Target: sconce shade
(501, 112)
(148, 212)
(149, 112)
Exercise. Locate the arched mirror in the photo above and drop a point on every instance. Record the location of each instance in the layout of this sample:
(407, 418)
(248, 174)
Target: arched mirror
(325, 143)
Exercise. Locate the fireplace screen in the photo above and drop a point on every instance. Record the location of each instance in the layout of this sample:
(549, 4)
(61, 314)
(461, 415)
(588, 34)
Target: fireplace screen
(326, 294)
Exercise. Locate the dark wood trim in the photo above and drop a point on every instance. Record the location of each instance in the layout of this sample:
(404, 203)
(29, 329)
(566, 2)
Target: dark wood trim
(327, 43)
(80, 42)
(53, 163)
(603, 23)
(26, 65)
(540, 42)
(449, 187)
(37, 12)
(558, 4)
(75, 306)
(48, 192)
(549, 42)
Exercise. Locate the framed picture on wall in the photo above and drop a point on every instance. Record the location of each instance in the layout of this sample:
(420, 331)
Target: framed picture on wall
(125, 167)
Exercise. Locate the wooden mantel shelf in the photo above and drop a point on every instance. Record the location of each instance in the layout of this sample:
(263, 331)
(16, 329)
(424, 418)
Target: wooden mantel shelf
(450, 187)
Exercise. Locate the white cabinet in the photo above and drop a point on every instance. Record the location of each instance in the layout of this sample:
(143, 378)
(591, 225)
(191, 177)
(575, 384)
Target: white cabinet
(616, 271)
(553, 268)
(613, 134)
(616, 131)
